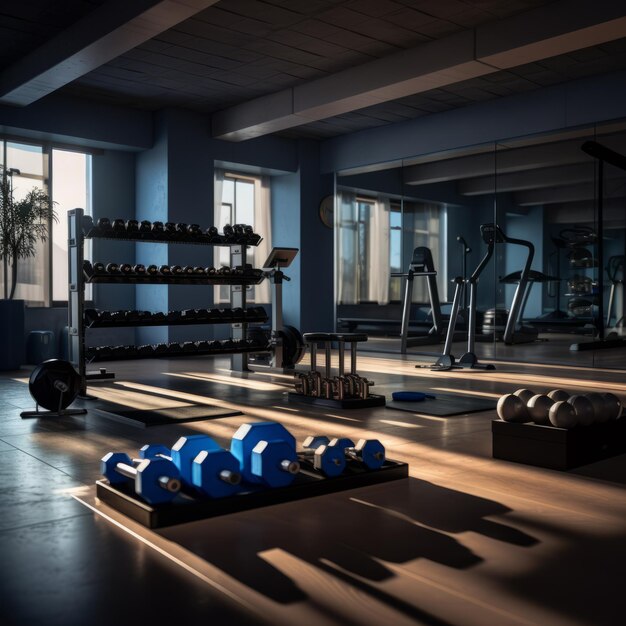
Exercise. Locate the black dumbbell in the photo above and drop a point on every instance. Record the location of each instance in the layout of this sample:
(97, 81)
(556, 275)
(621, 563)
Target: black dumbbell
(203, 346)
(132, 227)
(238, 233)
(126, 268)
(181, 228)
(118, 317)
(199, 271)
(160, 348)
(145, 351)
(139, 269)
(174, 348)
(188, 315)
(158, 317)
(188, 270)
(213, 234)
(166, 270)
(119, 226)
(88, 225)
(226, 314)
(189, 346)
(152, 270)
(210, 271)
(157, 228)
(223, 271)
(104, 226)
(92, 315)
(237, 312)
(174, 316)
(228, 344)
(194, 231)
(202, 315)
(99, 268)
(170, 228)
(112, 268)
(145, 226)
(177, 270)
(215, 346)
(229, 234)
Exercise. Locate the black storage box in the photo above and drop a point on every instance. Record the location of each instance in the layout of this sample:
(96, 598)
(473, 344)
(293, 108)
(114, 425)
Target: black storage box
(558, 448)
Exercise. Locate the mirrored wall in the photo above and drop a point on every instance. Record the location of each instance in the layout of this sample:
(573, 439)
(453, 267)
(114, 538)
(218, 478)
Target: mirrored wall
(529, 234)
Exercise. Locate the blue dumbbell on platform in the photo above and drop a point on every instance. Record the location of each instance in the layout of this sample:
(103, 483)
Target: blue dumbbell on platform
(155, 480)
(266, 452)
(370, 452)
(331, 461)
(202, 462)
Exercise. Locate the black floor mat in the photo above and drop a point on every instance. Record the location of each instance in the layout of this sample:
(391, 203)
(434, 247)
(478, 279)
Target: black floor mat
(445, 405)
(158, 417)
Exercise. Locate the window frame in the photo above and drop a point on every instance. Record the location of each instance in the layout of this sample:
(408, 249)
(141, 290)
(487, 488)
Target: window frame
(47, 148)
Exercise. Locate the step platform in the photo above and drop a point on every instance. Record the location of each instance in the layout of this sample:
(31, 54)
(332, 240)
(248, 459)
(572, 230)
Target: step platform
(558, 448)
(308, 483)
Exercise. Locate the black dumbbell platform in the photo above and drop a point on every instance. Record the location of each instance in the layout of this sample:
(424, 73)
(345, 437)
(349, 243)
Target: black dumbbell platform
(308, 483)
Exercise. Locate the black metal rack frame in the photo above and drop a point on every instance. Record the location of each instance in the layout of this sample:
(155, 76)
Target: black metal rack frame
(78, 278)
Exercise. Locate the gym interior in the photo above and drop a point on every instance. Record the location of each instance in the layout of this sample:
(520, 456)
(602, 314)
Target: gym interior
(313, 312)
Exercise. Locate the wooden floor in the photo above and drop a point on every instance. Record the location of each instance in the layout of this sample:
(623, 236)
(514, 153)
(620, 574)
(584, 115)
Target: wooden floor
(464, 540)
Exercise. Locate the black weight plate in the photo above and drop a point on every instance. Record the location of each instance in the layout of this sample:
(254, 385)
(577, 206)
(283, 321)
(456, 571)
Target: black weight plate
(293, 346)
(47, 382)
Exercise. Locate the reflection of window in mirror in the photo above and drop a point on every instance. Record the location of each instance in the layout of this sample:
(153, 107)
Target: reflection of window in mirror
(375, 238)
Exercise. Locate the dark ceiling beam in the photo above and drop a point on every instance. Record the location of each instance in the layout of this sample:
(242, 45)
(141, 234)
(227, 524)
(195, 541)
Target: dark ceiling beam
(582, 212)
(550, 30)
(555, 195)
(108, 31)
(532, 179)
(500, 161)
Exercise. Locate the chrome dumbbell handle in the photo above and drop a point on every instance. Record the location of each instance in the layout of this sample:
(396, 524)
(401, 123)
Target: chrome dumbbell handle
(165, 482)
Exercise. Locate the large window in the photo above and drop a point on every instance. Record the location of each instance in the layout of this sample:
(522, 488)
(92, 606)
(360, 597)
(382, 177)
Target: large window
(66, 177)
(71, 188)
(27, 168)
(243, 199)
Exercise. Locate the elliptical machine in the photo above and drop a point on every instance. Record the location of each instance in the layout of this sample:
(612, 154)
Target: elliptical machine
(491, 234)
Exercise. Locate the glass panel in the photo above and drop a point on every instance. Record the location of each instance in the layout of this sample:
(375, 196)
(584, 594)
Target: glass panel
(71, 188)
(545, 209)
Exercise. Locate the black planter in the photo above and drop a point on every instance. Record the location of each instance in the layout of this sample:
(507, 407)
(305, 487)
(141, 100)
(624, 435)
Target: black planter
(11, 334)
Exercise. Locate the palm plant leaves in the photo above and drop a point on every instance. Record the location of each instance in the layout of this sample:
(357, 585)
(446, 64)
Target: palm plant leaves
(23, 223)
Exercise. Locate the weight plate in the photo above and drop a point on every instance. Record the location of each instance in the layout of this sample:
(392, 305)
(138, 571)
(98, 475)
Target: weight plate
(54, 384)
(294, 348)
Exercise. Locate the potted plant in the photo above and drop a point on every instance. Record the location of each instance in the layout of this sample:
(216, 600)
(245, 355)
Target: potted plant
(23, 223)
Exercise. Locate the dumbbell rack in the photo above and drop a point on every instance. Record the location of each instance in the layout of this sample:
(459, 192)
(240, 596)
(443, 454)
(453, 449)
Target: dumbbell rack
(78, 231)
(187, 508)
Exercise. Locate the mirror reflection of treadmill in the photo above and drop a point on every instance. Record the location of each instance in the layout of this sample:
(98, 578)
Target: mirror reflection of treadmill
(515, 331)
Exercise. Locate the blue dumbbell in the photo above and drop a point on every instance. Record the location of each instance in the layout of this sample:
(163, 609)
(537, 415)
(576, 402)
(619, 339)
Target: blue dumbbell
(155, 480)
(202, 462)
(331, 461)
(370, 452)
(266, 452)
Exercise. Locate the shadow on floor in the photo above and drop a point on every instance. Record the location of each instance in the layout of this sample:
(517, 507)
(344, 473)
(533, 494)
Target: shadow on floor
(350, 536)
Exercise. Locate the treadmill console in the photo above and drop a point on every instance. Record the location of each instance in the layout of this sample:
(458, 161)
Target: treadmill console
(491, 233)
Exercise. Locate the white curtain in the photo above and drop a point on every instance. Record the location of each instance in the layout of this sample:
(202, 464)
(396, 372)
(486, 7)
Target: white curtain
(377, 255)
(347, 248)
(422, 225)
(262, 226)
(362, 249)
